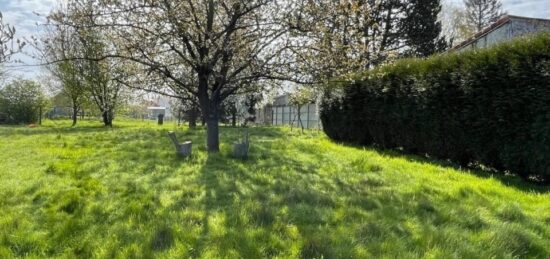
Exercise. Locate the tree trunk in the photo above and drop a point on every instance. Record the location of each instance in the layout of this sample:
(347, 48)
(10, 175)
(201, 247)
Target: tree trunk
(192, 122)
(234, 119)
(75, 115)
(193, 115)
(212, 126)
(212, 135)
(40, 115)
(210, 110)
(300, 117)
(107, 118)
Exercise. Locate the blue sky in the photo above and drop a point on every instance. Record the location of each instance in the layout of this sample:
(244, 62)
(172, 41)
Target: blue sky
(22, 14)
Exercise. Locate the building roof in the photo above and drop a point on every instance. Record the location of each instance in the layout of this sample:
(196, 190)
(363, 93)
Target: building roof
(499, 23)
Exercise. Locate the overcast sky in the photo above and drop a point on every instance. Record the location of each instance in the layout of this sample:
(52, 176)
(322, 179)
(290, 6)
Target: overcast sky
(529, 8)
(22, 15)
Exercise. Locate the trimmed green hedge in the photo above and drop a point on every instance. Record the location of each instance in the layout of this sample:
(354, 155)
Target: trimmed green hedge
(489, 106)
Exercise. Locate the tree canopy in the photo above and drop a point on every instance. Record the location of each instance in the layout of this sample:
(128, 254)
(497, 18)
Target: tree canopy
(205, 51)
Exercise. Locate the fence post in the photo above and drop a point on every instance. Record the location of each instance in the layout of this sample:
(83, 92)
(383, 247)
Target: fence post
(283, 115)
(290, 115)
(40, 116)
(276, 115)
(307, 121)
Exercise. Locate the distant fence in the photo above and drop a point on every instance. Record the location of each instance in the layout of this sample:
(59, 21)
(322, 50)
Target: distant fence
(279, 115)
(59, 112)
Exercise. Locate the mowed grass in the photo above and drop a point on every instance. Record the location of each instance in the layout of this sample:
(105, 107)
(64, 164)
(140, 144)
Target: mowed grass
(92, 192)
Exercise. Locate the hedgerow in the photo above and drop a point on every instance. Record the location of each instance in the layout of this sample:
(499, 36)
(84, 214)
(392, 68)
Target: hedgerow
(487, 106)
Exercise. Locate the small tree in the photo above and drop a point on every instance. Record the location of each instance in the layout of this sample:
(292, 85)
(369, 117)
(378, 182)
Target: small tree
(301, 97)
(482, 13)
(102, 76)
(189, 107)
(229, 108)
(79, 57)
(454, 27)
(250, 103)
(61, 43)
(21, 102)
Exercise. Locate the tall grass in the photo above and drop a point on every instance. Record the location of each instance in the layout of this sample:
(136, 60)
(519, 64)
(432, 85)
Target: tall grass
(91, 192)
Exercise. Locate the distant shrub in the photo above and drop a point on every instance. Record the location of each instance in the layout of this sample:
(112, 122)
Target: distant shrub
(20, 102)
(488, 106)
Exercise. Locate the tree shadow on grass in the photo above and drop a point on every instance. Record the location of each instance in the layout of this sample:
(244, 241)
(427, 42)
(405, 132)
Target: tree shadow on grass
(262, 208)
(14, 131)
(251, 211)
(218, 206)
(507, 179)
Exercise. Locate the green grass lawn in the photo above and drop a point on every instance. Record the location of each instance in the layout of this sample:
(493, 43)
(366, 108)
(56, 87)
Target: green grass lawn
(122, 193)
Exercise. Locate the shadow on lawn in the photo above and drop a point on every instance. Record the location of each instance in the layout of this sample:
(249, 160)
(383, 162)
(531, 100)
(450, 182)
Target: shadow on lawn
(256, 209)
(18, 130)
(247, 206)
(249, 209)
(509, 180)
(230, 193)
(259, 207)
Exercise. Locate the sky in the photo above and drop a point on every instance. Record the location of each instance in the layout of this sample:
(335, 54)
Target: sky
(529, 8)
(23, 15)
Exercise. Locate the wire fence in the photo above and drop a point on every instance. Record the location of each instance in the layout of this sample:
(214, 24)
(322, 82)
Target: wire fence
(306, 116)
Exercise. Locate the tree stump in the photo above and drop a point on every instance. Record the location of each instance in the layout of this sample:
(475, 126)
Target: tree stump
(182, 149)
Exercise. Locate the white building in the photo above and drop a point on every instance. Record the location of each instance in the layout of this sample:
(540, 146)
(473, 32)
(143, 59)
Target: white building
(506, 28)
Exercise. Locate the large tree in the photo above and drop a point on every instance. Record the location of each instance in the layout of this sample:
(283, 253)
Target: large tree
(210, 49)
(482, 13)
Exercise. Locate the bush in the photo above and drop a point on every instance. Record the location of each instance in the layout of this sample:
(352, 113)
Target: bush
(488, 106)
(20, 102)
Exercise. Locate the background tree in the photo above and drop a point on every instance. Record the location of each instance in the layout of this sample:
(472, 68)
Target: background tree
(422, 28)
(61, 44)
(101, 75)
(454, 27)
(21, 102)
(340, 37)
(482, 13)
(230, 109)
(250, 103)
(299, 98)
(188, 108)
(101, 80)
